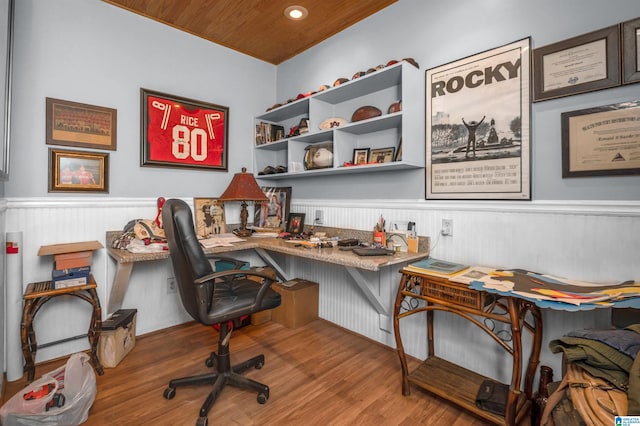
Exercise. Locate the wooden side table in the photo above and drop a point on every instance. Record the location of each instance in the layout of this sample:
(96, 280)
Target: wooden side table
(420, 292)
(35, 296)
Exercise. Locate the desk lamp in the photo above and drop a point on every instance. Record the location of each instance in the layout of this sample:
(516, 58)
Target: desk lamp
(243, 187)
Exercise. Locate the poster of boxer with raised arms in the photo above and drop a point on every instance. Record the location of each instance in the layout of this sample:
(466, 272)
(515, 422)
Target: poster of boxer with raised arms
(180, 132)
(477, 126)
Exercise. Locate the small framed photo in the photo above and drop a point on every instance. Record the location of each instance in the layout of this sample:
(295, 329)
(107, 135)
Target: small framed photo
(181, 132)
(78, 171)
(271, 214)
(295, 223)
(80, 125)
(360, 156)
(631, 51)
(577, 65)
(382, 155)
(209, 217)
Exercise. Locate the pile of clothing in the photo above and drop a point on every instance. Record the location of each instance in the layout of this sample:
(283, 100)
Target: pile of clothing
(603, 374)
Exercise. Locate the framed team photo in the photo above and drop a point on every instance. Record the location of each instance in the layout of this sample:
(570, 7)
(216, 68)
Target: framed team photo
(181, 132)
(78, 171)
(80, 125)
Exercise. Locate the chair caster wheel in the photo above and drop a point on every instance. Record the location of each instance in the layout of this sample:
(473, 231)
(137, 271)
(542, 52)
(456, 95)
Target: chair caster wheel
(202, 421)
(209, 363)
(262, 398)
(169, 393)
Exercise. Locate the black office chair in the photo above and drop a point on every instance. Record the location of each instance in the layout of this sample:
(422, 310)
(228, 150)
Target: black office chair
(214, 298)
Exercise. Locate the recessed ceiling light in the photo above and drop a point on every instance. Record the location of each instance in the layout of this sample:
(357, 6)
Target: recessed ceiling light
(296, 13)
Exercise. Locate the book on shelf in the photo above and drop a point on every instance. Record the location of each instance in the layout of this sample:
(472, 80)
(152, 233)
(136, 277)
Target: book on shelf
(436, 267)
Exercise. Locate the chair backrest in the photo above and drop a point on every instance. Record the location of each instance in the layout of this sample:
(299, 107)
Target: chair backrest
(188, 259)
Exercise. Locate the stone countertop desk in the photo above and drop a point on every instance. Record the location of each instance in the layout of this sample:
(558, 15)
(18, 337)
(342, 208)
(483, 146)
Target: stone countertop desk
(262, 246)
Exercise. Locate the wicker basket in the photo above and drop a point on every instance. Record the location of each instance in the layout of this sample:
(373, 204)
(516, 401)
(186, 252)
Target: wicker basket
(444, 290)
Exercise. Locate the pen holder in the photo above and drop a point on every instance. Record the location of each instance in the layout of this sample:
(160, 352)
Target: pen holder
(380, 237)
(412, 244)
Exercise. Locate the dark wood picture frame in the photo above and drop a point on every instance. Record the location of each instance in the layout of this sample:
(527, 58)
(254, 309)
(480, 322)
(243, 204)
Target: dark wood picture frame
(600, 141)
(631, 51)
(360, 156)
(586, 52)
(170, 125)
(273, 213)
(295, 223)
(78, 171)
(209, 217)
(81, 125)
(382, 155)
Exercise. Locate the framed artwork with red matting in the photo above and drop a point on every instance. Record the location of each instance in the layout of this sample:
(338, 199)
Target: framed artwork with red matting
(181, 132)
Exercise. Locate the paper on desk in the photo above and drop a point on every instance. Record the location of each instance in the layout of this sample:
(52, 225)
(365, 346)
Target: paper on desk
(221, 240)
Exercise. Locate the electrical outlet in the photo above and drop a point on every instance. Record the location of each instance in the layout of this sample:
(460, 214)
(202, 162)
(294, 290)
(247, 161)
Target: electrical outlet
(319, 217)
(447, 228)
(172, 285)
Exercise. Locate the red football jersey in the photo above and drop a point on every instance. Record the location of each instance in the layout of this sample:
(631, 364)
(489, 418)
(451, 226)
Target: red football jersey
(188, 136)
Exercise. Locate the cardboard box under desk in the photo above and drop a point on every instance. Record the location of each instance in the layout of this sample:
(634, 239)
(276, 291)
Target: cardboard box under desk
(262, 316)
(299, 303)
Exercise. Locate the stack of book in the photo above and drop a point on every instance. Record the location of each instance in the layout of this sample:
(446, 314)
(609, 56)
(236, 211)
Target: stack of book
(71, 269)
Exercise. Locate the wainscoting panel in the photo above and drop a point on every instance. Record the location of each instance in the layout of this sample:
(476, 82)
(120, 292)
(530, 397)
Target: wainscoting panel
(592, 241)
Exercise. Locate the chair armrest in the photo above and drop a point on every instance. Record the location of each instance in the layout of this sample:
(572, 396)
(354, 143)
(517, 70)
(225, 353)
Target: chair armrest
(266, 282)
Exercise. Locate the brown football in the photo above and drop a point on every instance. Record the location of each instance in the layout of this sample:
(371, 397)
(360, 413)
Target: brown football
(365, 112)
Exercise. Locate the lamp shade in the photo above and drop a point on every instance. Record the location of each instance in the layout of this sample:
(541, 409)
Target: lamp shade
(243, 187)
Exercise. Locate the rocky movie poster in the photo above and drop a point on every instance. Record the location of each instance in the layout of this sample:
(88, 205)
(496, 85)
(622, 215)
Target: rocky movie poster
(478, 126)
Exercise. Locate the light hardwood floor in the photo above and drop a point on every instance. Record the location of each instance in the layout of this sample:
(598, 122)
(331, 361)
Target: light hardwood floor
(318, 374)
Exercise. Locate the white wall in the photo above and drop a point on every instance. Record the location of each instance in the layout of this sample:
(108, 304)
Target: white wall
(91, 52)
(437, 32)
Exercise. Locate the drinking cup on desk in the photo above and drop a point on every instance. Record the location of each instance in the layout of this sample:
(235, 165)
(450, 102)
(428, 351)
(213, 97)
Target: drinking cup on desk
(380, 238)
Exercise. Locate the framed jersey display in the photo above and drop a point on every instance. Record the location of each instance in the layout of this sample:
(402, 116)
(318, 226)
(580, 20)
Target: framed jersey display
(180, 132)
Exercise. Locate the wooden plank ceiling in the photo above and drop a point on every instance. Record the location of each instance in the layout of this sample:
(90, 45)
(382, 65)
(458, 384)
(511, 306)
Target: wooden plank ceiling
(257, 27)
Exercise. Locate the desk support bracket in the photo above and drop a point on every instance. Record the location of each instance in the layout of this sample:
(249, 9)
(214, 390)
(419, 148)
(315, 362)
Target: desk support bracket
(119, 288)
(371, 297)
(271, 262)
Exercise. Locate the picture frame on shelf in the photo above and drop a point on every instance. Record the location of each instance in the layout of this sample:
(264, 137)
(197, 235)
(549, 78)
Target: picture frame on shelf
(485, 126)
(181, 132)
(587, 133)
(78, 171)
(81, 125)
(580, 64)
(295, 223)
(382, 155)
(209, 217)
(360, 156)
(631, 51)
(271, 214)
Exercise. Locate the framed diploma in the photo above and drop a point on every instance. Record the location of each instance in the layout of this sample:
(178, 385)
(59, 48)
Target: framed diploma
(631, 51)
(581, 64)
(180, 132)
(601, 141)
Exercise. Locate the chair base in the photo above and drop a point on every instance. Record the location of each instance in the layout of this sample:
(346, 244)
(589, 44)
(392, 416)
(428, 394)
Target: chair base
(222, 377)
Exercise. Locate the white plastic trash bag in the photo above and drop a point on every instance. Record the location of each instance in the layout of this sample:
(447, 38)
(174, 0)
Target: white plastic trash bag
(75, 380)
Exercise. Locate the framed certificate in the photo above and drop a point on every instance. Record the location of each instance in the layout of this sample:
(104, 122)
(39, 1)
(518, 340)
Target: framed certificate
(577, 65)
(601, 141)
(180, 132)
(631, 51)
